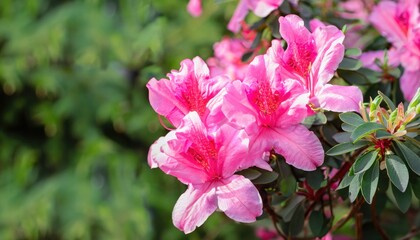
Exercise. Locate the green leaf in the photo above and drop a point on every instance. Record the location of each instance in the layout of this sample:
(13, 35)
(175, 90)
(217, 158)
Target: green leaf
(353, 77)
(266, 177)
(297, 222)
(250, 173)
(402, 199)
(316, 119)
(287, 212)
(256, 41)
(351, 118)
(366, 129)
(372, 76)
(415, 185)
(397, 172)
(246, 56)
(288, 186)
(318, 223)
(345, 182)
(315, 179)
(388, 101)
(354, 188)
(353, 52)
(364, 162)
(342, 137)
(370, 181)
(346, 147)
(383, 134)
(410, 157)
(347, 127)
(350, 64)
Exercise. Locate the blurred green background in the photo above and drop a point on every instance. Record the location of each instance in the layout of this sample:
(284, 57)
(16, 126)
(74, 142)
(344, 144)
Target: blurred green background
(75, 123)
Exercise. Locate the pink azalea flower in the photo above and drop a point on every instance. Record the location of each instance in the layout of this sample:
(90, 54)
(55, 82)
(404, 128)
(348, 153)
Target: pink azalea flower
(228, 54)
(194, 7)
(270, 111)
(312, 58)
(394, 20)
(400, 24)
(261, 8)
(228, 58)
(207, 161)
(189, 89)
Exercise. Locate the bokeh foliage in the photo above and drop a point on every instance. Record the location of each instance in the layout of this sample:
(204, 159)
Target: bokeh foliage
(75, 122)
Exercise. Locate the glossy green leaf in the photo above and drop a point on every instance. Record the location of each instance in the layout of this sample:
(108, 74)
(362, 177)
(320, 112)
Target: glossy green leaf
(353, 77)
(412, 159)
(415, 185)
(397, 172)
(383, 134)
(353, 52)
(266, 177)
(250, 173)
(346, 147)
(370, 182)
(345, 182)
(315, 179)
(354, 187)
(297, 221)
(350, 64)
(316, 119)
(351, 118)
(247, 56)
(347, 127)
(318, 223)
(342, 137)
(388, 101)
(364, 162)
(371, 75)
(287, 212)
(402, 199)
(366, 129)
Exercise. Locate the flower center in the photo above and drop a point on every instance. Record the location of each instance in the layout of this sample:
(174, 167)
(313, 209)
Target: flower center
(203, 152)
(403, 20)
(301, 57)
(191, 95)
(266, 101)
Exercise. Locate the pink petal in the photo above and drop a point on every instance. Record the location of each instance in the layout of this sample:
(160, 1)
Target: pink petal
(164, 102)
(233, 149)
(239, 199)
(292, 29)
(194, 7)
(238, 16)
(265, 7)
(340, 98)
(383, 18)
(409, 83)
(299, 146)
(330, 52)
(236, 106)
(194, 207)
(368, 58)
(173, 158)
(316, 23)
(301, 49)
(156, 155)
(173, 163)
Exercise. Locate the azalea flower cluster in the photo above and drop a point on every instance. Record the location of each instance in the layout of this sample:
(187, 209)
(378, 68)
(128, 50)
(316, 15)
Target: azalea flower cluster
(229, 120)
